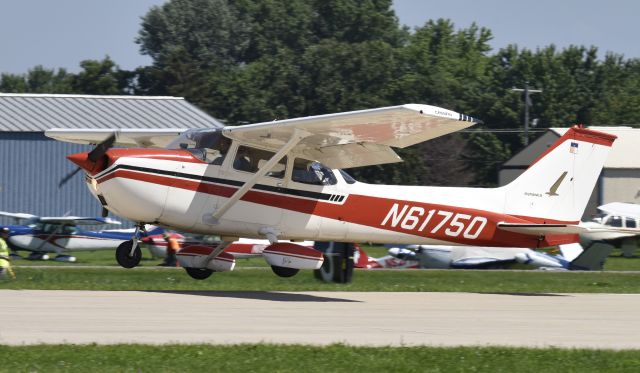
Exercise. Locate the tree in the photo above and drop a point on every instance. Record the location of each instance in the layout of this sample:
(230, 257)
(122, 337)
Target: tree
(37, 80)
(99, 78)
(209, 32)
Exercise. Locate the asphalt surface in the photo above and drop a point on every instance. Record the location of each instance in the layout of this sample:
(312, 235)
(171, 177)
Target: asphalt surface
(318, 318)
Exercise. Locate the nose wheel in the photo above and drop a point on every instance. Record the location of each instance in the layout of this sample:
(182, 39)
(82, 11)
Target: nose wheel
(127, 257)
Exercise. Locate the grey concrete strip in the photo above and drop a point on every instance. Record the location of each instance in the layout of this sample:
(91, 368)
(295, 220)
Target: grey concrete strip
(376, 319)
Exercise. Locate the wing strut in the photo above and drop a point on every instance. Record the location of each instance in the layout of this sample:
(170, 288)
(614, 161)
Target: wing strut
(214, 218)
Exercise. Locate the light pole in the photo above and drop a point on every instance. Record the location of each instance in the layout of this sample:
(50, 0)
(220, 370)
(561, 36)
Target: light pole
(527, 103)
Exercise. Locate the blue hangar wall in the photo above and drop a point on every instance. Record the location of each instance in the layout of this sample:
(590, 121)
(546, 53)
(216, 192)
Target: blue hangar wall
(31, 166)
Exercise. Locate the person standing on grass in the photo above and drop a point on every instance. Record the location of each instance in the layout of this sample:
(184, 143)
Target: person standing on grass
(5, 260)
(173, 246)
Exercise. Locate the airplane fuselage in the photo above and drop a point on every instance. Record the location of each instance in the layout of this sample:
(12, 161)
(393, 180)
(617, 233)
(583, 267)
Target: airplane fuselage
(175, 189)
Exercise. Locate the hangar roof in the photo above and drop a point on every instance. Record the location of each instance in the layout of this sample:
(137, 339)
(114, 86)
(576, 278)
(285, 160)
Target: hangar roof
(39, 112)
(622, 154)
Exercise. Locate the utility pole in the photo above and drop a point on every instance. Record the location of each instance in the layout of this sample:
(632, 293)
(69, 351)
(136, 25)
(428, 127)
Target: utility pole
(527, 103)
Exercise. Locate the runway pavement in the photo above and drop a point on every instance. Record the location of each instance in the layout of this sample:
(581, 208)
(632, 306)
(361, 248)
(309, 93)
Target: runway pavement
(357, 318)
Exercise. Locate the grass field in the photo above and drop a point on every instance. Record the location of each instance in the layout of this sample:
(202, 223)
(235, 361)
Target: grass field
(615, 262)
(287, 358)
(255, 275)
(262, 279)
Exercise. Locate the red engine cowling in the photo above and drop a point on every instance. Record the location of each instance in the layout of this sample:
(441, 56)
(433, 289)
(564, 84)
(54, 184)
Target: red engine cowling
(290, 255)
(196, 257)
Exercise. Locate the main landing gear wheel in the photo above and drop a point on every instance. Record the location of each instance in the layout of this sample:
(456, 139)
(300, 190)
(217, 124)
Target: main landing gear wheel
(123, 256)
(284, 271)
(198, 273)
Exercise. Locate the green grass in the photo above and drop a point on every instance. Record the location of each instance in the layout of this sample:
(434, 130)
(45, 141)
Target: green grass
(300, 358)
(254, 275)
(107, 258)
(262, 279)
(615, 262)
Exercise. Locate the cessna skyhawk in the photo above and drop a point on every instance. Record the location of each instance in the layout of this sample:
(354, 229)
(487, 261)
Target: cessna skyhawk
(282, 180)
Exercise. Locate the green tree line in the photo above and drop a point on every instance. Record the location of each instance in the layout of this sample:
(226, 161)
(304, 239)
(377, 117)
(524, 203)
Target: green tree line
(248, 61)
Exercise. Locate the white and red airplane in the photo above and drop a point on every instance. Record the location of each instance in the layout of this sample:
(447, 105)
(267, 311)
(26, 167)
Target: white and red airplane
(282, 180)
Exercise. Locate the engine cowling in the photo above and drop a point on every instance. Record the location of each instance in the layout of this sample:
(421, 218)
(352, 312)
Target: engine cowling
(196, 257)
(290, 255)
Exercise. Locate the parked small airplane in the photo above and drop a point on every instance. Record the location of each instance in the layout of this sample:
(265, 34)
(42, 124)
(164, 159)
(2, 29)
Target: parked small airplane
(60, 234)
(617, 225)
(362, 260)
(282, 180)
(571, 256)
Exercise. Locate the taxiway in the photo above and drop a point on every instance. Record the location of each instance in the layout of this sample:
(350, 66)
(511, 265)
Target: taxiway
(356, 318)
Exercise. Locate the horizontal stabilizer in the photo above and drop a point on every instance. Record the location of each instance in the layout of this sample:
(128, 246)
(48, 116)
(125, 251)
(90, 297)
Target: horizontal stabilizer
(542, 229)
(545, 229)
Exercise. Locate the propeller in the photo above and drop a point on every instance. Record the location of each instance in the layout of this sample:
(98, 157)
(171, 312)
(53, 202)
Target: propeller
(101, 149)
(68, 176)
(93, 156)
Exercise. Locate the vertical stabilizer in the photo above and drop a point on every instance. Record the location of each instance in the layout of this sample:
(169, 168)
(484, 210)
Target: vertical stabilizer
(592, 258)
(557, 186)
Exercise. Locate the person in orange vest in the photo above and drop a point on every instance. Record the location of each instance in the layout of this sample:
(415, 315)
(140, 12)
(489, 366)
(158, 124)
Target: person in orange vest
(173, 246)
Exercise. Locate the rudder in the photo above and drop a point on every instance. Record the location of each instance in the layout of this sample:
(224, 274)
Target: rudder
(558, 184)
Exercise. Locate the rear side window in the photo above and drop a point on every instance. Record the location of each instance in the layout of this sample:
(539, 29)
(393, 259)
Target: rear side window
(630, 222)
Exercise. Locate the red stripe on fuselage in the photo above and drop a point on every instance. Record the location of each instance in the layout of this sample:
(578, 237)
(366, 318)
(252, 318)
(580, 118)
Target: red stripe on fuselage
(365, 210)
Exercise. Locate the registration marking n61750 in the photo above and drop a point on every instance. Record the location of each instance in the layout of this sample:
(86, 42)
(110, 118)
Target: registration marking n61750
(408, 217)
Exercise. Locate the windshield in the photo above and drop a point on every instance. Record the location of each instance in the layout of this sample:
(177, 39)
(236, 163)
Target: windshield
(206, 144)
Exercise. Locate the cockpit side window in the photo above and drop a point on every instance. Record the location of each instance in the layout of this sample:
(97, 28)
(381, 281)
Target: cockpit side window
(50, 228)
(251, 160)
(310, 172)
(69, 229)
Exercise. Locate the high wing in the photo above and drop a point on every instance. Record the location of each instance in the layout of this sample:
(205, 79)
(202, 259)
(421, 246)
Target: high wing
(77, 220)
(620, 208)
(340, 140)
(481, 257)
(356, 138)
(146, 138)
(17, 215)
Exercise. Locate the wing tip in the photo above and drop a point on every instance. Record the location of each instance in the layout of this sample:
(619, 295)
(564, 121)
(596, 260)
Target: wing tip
(442, 112)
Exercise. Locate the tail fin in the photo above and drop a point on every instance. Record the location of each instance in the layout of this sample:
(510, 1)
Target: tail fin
(360, 258)
(592, 258)
(557, 185)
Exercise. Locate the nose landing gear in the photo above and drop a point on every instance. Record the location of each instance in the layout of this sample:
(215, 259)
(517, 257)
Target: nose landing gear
(128, 253)
(124, 256)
